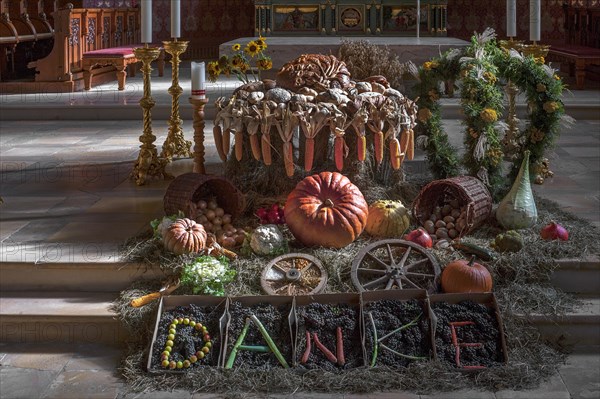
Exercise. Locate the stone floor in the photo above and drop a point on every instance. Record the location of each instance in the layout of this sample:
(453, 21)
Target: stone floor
(67, 198)
(88, 371)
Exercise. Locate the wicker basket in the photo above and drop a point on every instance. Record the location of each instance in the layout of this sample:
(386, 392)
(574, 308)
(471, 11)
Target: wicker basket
(192, 187)
(469, 191)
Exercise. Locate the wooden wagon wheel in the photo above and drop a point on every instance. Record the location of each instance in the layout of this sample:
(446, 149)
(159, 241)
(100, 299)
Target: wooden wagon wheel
(395, 264)
(293, 274)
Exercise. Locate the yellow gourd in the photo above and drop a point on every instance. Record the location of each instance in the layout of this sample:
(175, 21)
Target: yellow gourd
(387, 219)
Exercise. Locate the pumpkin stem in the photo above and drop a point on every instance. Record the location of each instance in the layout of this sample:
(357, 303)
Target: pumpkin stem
(472, 261)
(329, 203)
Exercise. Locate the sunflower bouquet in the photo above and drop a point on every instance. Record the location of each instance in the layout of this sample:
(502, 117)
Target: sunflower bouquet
(239, 62)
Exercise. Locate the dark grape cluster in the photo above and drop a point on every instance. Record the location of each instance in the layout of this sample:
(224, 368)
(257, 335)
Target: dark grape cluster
(485, 331)
(389, 315)
(276, 322)
(187, 340)
(324, 319)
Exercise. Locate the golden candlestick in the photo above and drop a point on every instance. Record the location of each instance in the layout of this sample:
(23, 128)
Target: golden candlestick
(198, 104)
(175, 143)
(148, 163)
(535, 49)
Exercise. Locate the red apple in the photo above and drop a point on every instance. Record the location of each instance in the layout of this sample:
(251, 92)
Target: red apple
(421, 237)
(554, 231)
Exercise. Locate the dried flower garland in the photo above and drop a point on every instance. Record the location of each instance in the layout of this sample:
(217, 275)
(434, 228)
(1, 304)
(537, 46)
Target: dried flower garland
(481, 66)
(482, 102)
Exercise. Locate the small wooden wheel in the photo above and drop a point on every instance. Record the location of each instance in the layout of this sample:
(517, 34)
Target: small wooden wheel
(293, 274)
(395, 264)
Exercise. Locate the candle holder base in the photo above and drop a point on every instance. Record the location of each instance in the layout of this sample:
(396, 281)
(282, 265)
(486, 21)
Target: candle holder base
(148, 163)
(511, 44)
(535, 50)
(175, 144)
(199, 104)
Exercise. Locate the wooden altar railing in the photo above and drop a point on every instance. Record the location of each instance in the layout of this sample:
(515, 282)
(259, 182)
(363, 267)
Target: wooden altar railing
(77, 31)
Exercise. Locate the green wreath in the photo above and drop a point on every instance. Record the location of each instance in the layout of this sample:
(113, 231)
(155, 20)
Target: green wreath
(481, 66)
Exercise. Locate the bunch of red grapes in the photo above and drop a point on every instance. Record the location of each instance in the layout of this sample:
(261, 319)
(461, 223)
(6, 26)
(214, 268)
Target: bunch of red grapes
(271, 214)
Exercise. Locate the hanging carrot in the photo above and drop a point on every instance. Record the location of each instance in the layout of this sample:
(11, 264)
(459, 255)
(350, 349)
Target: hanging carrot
(218, 134)
(239, 140)
(309, 153)
(410, 151)
(361, 144)
(265, 146)
(226, 142)
(288, 158)
(338, 151)
(404, 141)
(378, 144)
(255, 145)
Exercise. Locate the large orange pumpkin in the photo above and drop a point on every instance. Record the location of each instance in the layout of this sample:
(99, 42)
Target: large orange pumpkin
(466, 276)
(326, 210)
(184, 236)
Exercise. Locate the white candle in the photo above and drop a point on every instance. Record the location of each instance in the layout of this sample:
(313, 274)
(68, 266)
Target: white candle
(175, 18)
(146, 22)
(418, 18)
(511, 18)
(535, 20)
(198, 83)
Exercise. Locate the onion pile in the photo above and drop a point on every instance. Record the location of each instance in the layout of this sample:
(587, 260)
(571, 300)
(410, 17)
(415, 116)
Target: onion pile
(447, 221)
(214, 220)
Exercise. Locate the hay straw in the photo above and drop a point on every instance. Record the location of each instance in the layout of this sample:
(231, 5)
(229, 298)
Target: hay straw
(522, 286)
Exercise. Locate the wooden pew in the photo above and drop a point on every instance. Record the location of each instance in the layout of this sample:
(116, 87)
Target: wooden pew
(81, 30)
(582, 39)
(120, 58)
(578, 58)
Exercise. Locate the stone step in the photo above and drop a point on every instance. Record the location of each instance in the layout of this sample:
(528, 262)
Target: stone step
(451, 109)
(59, 317)
(572, 275)
(581, 327)
(578, 276)
(68, 277)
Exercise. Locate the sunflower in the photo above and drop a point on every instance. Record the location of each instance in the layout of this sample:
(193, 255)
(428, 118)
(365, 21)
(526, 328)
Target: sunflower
(236, 47)
(252, 49)
(223, 61)
(213, 70)
(237, 60)
(261, 42)
(244, 67)
(265, 64)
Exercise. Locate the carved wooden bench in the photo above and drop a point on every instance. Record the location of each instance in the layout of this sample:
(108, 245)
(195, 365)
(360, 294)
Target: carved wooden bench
(576, 56)
(120, 58)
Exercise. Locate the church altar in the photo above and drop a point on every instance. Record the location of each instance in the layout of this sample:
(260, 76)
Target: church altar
(418, 50)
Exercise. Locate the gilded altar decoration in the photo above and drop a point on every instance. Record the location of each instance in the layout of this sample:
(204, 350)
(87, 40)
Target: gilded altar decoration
(245, 62)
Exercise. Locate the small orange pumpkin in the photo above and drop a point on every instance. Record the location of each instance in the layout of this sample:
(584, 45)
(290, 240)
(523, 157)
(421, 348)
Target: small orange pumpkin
(184, 236)
(466, 276)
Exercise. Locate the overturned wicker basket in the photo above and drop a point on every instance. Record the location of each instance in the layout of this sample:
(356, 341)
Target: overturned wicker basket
(191, 187)
(469, 191)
